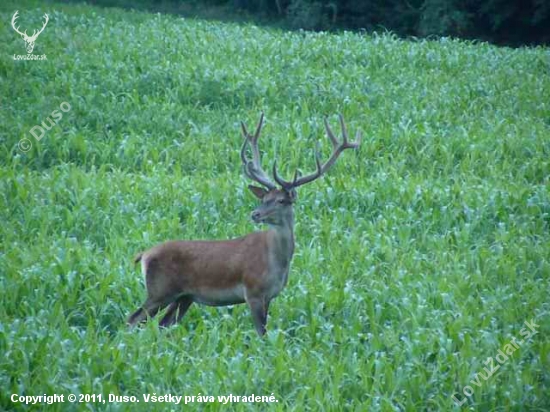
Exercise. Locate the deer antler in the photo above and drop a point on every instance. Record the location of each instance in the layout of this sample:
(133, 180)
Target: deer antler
(338, 148)
(14, 18)
(253, 168)
(35, 34)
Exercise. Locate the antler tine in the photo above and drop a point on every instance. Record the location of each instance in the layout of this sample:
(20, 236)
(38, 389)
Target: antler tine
(282, 182)
(276, 176)
(358, 135)
(295, 181)
(247, 164)
(331, 136)
(337, 148)
(258, 130)
(253, 168)
(344, 131)
(358, 138)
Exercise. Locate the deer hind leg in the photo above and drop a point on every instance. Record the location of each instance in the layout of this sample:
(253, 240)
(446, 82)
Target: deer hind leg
(148, 310)
(157, 296)
(176, 311)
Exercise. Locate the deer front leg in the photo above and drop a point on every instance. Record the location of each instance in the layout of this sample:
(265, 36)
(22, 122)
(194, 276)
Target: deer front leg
(259, 307)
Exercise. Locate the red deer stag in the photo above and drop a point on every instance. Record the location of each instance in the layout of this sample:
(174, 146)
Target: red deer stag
(253, 268)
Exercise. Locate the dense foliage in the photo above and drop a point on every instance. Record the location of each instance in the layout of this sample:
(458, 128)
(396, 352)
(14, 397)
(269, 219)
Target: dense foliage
(418, 257)
(512, 22)
(501, 21)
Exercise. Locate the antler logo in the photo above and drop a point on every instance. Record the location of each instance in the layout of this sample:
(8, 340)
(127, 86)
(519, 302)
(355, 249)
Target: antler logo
(29, 40)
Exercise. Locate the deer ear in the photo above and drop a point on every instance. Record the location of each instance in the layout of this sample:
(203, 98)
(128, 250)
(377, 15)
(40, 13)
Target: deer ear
(259, 192)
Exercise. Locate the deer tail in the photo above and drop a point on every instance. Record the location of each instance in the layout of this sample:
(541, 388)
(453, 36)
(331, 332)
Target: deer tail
(137, 258)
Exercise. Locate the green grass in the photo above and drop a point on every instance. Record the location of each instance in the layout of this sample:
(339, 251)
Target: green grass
(417, 258)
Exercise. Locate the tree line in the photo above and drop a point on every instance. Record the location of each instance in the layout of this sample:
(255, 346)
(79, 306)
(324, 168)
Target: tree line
(511, 22)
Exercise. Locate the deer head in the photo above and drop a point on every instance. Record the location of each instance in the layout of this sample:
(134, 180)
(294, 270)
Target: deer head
(29, 40)
(276, 206)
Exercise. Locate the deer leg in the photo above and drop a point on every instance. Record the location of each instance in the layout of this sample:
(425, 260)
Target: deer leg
(259, 307)
(176, 311)
(148, 309)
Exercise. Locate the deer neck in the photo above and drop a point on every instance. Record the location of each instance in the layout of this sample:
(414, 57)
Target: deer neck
(281, 242)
